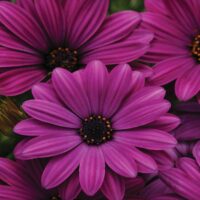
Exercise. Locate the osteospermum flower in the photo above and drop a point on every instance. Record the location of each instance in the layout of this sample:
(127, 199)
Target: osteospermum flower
(177, 44)
(184, 179)
(21, 181)
(38, 36)
(91, 120)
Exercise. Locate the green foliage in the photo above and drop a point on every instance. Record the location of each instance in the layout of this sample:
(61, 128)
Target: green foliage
(117, 5)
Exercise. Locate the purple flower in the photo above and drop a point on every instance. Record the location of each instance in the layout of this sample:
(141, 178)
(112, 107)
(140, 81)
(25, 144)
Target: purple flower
(176, 48)
(21, 181)
(92, 120)
(38, 36)
(184, 179)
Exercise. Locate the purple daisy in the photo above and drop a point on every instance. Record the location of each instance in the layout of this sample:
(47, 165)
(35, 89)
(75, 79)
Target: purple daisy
(21, 181)
(184, 179)
(38, 36)
(92, 120)
(176, 48)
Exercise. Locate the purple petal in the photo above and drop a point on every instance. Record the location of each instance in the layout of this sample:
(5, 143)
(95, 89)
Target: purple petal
(119, 160)
(119, 86)
(96, 76)
(20, 23)
(51, 113)
(71, 189)
(32, 127)
(27, 5)
(51, 15)
(188, 85)
(156, 6)
(45, 91)
(18, 81)
(113, 186)
(92, 170)
(135, 115)
(170, 69)
(84, 19)
(127, 50)
(47, 146)
(71, 92)
(147, 139)
(11, 58)
(116, 27)
(167, 123)
(196, 152)
(62, 167)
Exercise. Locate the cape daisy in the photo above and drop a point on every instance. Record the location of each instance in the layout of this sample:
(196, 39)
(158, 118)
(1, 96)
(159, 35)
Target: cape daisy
(176, 48)
(37, 36)
(92, 120)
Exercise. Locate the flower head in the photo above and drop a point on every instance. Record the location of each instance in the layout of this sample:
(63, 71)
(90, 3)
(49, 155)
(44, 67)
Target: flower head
(176, 48)
(38, 36)
(92, 120)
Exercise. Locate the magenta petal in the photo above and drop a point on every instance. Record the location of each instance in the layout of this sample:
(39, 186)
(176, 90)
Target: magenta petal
(27, 5)
(127, 50)
(92, 170)
(51, 113)
(95, 83)
(17, 81)
(167, 123)
(116, 27)
(170, 69)
(138, 80)
(20, 23)
(11, 58)
(32, 127)
(71, 189)
(45, 91)
(135, 115)
(85, 20)
(14, 193)
(181, 183)
(51, 15)
(113, 186)
(62, 167)
(70, 90)
(188, 85)
(190, 167)
(147, 139)
(156, 6)
(118, 87)
(47, 146)
(119, 160)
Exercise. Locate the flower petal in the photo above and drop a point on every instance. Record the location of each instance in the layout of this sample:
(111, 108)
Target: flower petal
(135, 115)
(188, 85)
(62, 167)
(147, 139)
(18, 81)
(71, 189)
(47, 146)
(20, 23)
(92, 170)
(113, 186)
(71, 92)
(119, 160)
(116, 27)
(51, 15)
(92, 14)
(51, 113)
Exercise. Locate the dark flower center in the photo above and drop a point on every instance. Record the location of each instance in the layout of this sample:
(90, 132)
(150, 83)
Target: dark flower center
(55, 198)
(96, 130)
(62, 57)
(196, 47)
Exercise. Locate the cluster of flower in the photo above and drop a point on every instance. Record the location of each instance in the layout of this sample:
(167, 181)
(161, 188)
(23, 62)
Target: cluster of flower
(102, 120)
